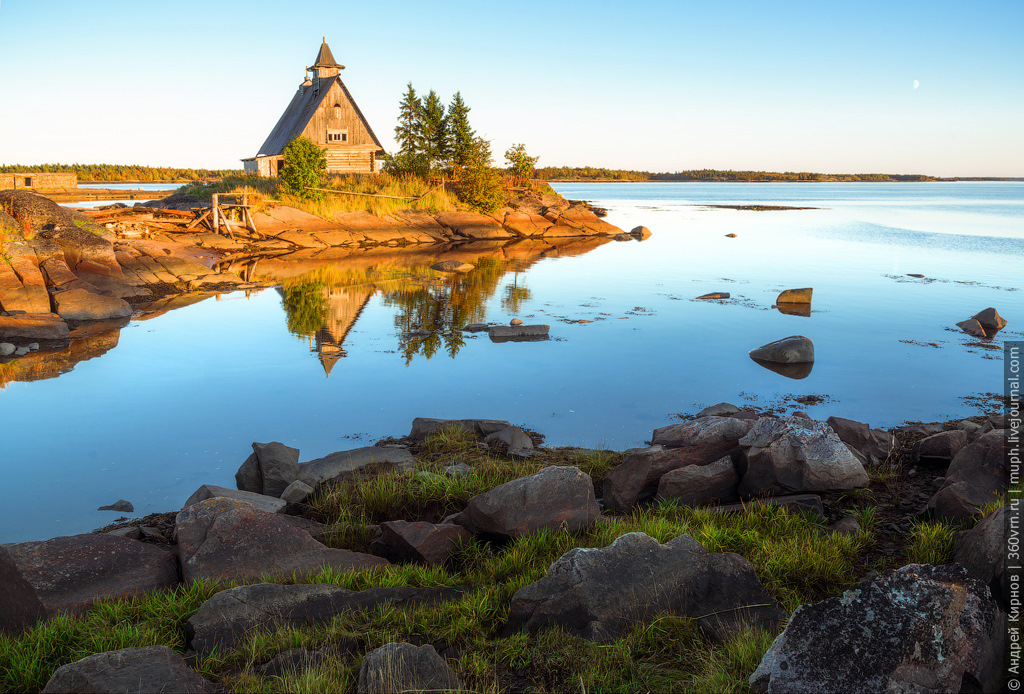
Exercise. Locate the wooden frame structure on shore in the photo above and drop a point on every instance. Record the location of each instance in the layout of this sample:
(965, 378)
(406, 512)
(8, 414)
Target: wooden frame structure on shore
(225, 210)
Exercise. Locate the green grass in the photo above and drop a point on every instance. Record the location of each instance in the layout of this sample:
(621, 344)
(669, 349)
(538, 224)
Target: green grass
(931, 542)
(797, 558)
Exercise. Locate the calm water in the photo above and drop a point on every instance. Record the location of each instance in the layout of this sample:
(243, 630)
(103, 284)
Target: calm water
(120, 186)
(174, 399)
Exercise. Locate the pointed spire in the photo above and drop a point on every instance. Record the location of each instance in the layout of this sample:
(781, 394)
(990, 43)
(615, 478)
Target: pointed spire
(325, 61)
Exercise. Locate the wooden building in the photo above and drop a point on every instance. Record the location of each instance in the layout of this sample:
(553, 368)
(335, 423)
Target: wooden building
(37, 180)
(324, 111)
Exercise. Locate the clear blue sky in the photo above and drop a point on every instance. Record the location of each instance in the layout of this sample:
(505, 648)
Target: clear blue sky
(661, 86)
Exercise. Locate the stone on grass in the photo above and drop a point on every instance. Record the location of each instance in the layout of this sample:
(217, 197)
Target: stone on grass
(847, 525)
(795, 349)
(977, 476)
(699, 485)
(67, 574)
(421, 541)
(232, 615)
(346, 464)
(119, 505)
(261, 502)
(153, 669)
(916, 629)
(80, 304)
(794, 454)
(403, 667)
(600, 594)
(554, 498)
(795, 296)
(230, 540)
(269, 470)
(477, 428)
(296, 492)
(6, 349)
(457, 470)
(509, 441)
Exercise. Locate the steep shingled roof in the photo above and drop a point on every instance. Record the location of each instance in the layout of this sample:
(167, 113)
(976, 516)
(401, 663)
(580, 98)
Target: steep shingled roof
(325, 58)
(302, 107)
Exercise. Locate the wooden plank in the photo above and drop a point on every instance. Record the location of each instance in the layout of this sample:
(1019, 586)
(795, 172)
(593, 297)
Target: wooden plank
(199, 220)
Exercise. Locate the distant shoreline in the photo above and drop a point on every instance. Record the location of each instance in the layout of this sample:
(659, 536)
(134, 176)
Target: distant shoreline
(721, 180)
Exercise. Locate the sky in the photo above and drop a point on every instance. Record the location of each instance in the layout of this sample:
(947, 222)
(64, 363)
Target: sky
(837, 87)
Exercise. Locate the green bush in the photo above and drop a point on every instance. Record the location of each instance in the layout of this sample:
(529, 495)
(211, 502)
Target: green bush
(519, 162)
(304, 167)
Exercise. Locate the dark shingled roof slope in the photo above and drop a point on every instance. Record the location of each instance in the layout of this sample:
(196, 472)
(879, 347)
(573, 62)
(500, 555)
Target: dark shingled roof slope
(302, 107)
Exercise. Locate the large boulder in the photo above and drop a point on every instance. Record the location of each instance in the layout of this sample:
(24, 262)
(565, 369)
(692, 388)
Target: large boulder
(231, 615)
(940, 449)
(269, 470)
(977, 476)
(553, 498)
(422, 541)
(67, 574)
(793, 455)
(916, 629)
(874, 444)
(40, 326)
(478, 428)
(699, 442)
(982, 551)
(600, 594)
(226, 539)
(699, 485)
(346, 464)
(155, 669)
(403, 667)
(795, 349)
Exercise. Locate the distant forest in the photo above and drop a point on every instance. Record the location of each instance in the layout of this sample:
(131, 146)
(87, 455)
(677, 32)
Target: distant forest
(594, 173)
(98, 173)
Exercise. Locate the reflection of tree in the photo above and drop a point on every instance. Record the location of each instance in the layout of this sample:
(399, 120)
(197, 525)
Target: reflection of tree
(514, 297)
(305, 304)
(443, 309)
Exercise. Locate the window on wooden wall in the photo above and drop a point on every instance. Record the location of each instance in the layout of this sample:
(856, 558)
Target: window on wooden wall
(337, 110)
(337, 135)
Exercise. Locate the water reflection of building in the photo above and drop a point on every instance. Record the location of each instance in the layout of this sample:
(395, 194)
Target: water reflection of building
(344, 306)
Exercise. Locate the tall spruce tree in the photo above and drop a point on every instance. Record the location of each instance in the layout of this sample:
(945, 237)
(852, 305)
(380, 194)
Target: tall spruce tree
(409, 131)
(460, 134)
(435, 131)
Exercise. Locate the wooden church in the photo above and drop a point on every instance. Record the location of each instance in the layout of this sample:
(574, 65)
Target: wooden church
(324, 111)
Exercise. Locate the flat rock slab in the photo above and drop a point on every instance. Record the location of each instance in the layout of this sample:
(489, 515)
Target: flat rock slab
(229, 540)
(261, 502)
(794, 454)
(403, 667)
(602, 593)
(916, 629)
(512, 333)
(554, 498)
(804, 503)
(478, 428)
(154, 669)
(38, 326)
(79, 304)
(67, 574)
(344, 464)
(230, 616)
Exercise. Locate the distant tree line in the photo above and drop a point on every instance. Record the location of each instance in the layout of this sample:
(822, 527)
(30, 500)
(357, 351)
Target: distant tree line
(594, 173)
(95, 173)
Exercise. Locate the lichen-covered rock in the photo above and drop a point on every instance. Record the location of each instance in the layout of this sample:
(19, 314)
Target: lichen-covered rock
(600, 594)
(916, 629)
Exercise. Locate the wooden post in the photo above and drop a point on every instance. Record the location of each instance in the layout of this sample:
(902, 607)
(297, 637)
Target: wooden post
(214, 210)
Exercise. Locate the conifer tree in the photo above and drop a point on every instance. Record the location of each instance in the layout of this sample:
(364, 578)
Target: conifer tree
(409, 131)
(435, 131)
(460, 134)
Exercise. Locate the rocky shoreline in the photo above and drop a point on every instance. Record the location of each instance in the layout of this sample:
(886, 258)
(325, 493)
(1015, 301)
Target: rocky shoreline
(901, 623)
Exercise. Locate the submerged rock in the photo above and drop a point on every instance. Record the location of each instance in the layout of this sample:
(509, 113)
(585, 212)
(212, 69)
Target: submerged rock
(119, 505)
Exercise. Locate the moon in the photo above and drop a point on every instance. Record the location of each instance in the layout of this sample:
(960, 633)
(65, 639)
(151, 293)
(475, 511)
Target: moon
(916, 84)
